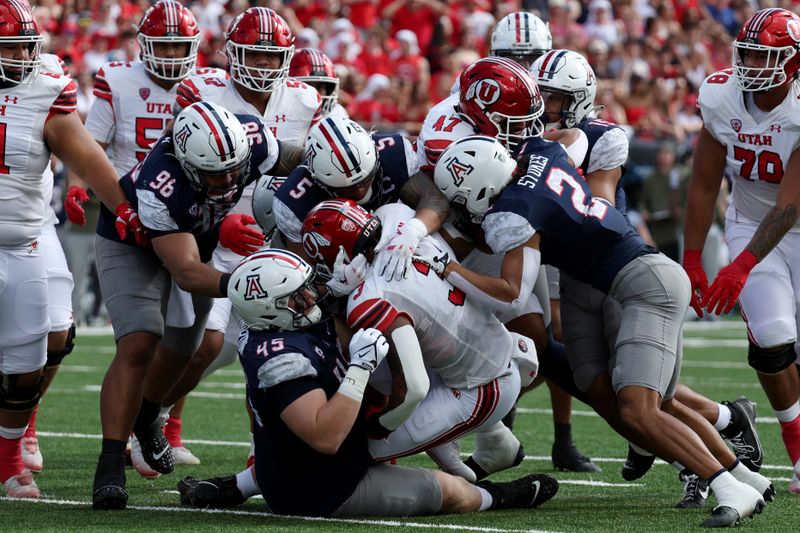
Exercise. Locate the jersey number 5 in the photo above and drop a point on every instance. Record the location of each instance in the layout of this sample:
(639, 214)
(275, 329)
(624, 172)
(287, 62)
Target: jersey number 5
(143, 125)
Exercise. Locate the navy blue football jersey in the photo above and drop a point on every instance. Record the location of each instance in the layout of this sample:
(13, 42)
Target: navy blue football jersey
(594, 130)
(299, 194)
(280, 367)
(583, 236)
(162, 195)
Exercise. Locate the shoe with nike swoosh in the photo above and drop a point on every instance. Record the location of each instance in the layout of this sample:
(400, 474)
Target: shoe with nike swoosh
(523, 493)
(156, 451)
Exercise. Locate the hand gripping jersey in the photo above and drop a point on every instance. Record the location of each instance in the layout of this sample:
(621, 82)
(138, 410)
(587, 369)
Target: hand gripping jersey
(465, 345)
(299, 194)
(167, 203)
(24, 155)
(131, 111)
(581, 235)
(758, 149)
(279, 368)
(443, 125)
(608, 149)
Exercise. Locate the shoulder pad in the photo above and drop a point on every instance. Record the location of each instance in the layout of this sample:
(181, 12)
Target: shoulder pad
(716, 89)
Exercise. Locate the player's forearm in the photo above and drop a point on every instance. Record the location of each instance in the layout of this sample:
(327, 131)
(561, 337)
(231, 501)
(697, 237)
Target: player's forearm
(198, 278)
(432, 207)
(101, 178)
(334, 421)
(700, 204)
(500, 289)
(290, 158)
(773, 227)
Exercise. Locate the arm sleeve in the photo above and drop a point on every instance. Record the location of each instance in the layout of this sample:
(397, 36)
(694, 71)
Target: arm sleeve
(412, 162)
(609, 152)
(505, 231)
(289, 225)
(416, 377)
(284, 367)
(153, 213)
(67, 100)
(100, 121)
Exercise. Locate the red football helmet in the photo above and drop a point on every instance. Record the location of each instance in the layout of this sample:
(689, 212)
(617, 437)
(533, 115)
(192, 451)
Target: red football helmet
(770, 39)
(335, 223)
(501, 100)
(17, 25)
(259, 29)
(168, 22)
(315, 68)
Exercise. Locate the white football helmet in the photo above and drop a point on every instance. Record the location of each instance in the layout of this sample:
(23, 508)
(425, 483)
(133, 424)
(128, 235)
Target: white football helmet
(566, 73)
(210, 141)
(263, 196)
(341, 155)
(472, 172)
(521, 36)
(274, 290)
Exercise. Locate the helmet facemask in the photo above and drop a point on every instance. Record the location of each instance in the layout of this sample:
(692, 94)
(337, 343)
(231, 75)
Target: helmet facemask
(216, 195)
(17, 71)
(769, 76)
(259, 79)
(168, 68)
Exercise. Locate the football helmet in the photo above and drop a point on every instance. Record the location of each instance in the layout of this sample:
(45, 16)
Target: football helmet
(17, 25)
(342, 157)
(472, 172)
(274, 290)
(775, 34)
(521, 36)
(500, 99)
(335, 223)
(168, 22)
(566, 73)
(210, 142)
(258, 30)
(263, 196)
(315, 68)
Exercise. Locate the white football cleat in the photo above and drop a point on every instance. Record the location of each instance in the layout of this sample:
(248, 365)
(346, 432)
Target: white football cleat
(31, 455)
(138, 462)
(740, 497)
(183, 456)
(22, 485)
(794, 483)
(448, 457)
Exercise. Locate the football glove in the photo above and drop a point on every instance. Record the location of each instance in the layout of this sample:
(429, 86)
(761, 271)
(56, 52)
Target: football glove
(128, 221)
(346, 277)
(368, 347)
(73, 205)
(725, 290)
(236, 235)
(395, 260)
(437, 263)
(697, 277)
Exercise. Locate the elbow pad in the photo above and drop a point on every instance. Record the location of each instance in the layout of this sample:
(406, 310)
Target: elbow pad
(416, 377)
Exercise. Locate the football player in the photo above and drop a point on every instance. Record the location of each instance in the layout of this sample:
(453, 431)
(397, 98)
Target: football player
(568, 87)
(314, 68)
(312, 455)
(549, 214)
(39, 118)
(184, 187)
(750, 133)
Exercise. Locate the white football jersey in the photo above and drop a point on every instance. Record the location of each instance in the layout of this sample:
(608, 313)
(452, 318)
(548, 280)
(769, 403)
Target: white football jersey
(24, 155)
(465, 345)
(443, 125)
(758, 151)
(50, 63)
(130, 111)
(292, 109)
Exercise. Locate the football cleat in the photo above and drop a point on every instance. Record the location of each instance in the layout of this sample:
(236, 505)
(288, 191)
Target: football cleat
(695, 491)
(636, 465)
(742, 434)
(735, 502)
(183, 456)
(496, 449)
(31, 454)
(569, 459)
(22, 485)
(217, 492)
(138, 462)
(108, 491)
(794, 483)
(155, 449)
(524, 493)
(448, 457)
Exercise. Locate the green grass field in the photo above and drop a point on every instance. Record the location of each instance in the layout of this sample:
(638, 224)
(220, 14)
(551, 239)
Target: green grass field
(216, 430)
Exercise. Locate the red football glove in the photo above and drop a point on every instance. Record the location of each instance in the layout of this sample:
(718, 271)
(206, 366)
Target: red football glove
(128, 220)
(697, 276)
(725, 290)
(236, 235)
(73, 205)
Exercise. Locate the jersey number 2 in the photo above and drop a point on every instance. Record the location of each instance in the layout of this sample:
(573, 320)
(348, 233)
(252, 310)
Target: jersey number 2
(556, 180)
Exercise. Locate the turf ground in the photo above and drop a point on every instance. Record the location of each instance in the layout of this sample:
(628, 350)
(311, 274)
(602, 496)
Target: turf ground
(215, 428)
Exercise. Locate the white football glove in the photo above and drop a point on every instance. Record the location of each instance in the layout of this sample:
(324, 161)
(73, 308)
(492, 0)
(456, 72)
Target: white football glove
(346, 277)
(368, 347)
(395, 260)
(437, 262)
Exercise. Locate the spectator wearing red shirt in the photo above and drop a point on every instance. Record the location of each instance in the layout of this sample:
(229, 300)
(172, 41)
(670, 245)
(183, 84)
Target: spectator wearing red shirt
(362, 13)
(408, 64)
(419, 16)
(375, 105)
(375, 56)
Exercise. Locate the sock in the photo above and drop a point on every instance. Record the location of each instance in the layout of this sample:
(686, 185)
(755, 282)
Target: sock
(31, 431)
(563, 434)
(721, 479)
(246, 484)
(677, 466)
(10, 453)
(113, 447)
(148, 413)
(724, 418)
(486, 499)
(787, 415)
(172, 430)
(111, 464)
(790, 432)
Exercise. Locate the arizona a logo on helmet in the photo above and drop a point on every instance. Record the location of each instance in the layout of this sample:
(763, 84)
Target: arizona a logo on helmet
(458, 170)
(254, 290)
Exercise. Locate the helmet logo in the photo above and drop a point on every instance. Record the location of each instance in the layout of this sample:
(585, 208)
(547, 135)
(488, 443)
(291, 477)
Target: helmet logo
(182, 136)
(313, 242)
(793, 29)
(485, 91)
(311, 153)
(458, 170)
(349, 225)
(253, 289)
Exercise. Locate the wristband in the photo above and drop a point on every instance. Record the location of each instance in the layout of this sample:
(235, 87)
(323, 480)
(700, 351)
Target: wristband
(354, 383)
(224, 280)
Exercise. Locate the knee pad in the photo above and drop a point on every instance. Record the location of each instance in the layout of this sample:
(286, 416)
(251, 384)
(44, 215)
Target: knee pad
(54, 358)
(15, 397)
(771, 360)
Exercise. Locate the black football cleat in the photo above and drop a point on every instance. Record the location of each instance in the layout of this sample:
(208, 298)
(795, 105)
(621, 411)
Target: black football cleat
(742, 435)
(722, 516)
(108, 490)
(156, 451)
(636, 465)
(695, 491)
(569, 459)
(524, 493)
(217, 492)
